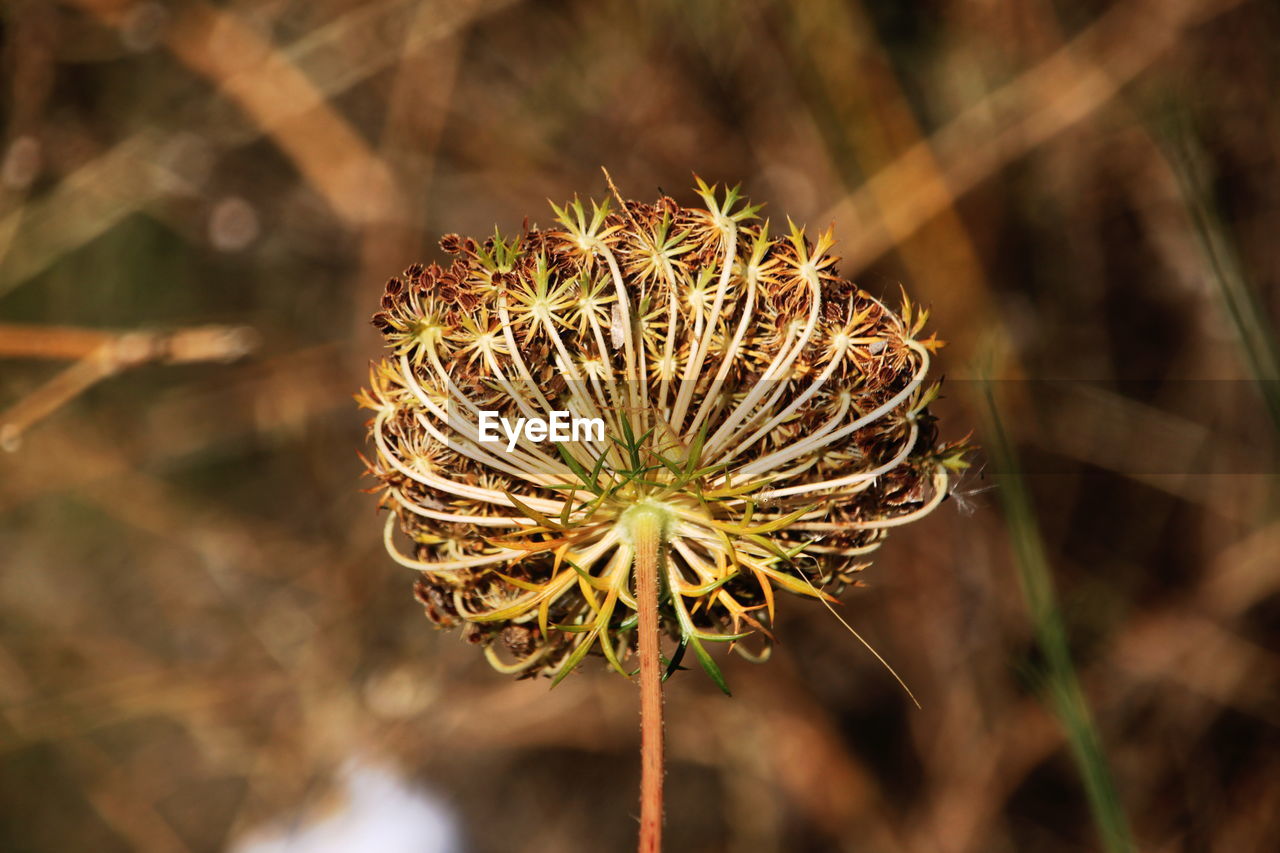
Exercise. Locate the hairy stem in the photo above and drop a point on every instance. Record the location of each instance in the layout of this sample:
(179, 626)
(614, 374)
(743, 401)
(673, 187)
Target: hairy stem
(647, 531)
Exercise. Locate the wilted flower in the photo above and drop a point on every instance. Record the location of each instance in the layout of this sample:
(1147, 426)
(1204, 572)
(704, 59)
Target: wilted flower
(767, 416)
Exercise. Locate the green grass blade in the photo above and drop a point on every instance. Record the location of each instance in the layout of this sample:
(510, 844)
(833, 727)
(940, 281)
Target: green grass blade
(1062, 686)
(1241, 302)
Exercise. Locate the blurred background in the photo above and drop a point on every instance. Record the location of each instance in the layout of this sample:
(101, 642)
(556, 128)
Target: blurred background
(202, 643)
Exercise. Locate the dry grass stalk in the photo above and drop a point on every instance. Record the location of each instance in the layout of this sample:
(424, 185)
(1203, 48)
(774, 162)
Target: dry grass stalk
(99, 355)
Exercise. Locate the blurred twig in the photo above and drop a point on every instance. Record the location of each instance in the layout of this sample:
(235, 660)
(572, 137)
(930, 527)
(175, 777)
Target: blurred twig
(1003, 126)
(130, 175)
(219, 45)
(417, 108)
(867, 121)
(266, 398)
(1162, 449)
(100, 355)
(85, 205)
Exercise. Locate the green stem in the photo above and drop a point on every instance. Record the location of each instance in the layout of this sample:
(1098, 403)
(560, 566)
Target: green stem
(1062, 685)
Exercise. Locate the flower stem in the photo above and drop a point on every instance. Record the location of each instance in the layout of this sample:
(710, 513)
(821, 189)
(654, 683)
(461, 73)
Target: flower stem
(647, 535)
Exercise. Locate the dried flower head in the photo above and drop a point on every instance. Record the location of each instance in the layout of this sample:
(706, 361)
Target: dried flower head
(769, 414)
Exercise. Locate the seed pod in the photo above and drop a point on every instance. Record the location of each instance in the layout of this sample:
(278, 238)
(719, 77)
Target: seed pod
(772, 410)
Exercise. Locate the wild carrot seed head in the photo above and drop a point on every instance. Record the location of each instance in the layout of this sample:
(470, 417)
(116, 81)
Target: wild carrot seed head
(774, 414)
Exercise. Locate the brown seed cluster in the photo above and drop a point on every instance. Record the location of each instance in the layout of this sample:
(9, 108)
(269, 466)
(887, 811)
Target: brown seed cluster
(771, 411)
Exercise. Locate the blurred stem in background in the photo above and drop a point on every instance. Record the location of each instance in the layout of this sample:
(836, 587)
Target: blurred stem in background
(97, 355)
(1244, 311)
(1060, 683)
